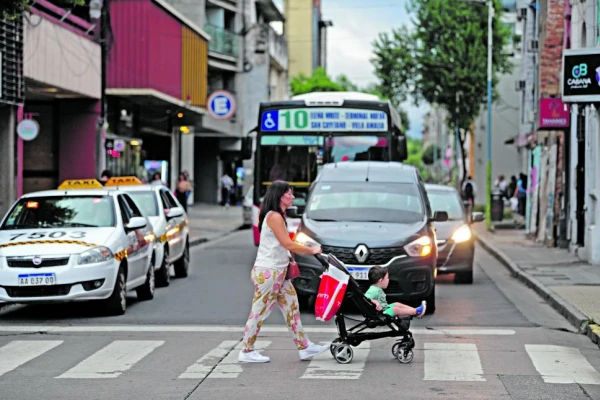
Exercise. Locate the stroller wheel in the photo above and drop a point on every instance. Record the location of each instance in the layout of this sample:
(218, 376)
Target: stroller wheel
(404, 355)
(396, 349)
(334, 345)
(343, 354)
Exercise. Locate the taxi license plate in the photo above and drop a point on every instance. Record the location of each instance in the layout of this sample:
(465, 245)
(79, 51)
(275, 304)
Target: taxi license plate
(361, 273)
(37, 279)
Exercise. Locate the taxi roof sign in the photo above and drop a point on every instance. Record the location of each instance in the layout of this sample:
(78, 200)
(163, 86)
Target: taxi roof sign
(123, 181)
(80, 184)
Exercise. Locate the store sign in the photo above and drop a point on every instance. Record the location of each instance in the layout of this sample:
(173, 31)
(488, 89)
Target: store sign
(221, 105)
(331, 119)
(581, 75)
(28, 129)
(554, 113)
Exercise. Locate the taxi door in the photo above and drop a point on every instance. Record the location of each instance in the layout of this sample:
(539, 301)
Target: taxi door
(176, 239)
(137, 248)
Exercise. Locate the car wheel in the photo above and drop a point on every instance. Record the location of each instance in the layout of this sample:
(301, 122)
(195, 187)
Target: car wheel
(183, 264)
(146, 291)
(431, 302)
(163, 275)
(464, 277)
(116, 304)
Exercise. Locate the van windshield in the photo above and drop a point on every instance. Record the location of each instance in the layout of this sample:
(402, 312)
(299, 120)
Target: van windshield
(365, 202)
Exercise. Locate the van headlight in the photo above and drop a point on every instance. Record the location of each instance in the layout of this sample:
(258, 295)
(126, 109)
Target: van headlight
(303, 239)
(95, 255)
(462, 234)
(419, 248)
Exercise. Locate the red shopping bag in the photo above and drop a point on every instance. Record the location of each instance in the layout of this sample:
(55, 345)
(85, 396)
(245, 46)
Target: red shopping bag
(331, 293)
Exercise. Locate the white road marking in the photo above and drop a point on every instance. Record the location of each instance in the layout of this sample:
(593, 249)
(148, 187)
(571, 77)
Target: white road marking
(230, 367)
(18, 352)
(324, 365)
(234, 329)
(201, 368)
(559, 364)
(452, 362)
(112, 360)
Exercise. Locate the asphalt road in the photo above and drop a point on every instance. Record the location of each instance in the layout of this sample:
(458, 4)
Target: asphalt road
(495, 339)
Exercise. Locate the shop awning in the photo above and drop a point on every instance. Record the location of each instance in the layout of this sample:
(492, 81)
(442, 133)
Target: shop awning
(152, 97)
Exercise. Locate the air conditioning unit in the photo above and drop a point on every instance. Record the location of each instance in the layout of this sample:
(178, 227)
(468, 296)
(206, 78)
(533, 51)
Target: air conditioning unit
(532, 45)
(520, 85)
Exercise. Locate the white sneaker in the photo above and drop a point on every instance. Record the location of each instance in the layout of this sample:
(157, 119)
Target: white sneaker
(252, 357)
(313, 350)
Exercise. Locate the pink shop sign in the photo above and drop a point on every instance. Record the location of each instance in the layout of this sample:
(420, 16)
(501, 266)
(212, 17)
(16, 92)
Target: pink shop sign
(554, 113)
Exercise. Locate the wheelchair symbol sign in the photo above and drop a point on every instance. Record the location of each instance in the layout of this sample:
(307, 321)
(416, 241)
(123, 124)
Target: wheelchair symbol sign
(270, 121)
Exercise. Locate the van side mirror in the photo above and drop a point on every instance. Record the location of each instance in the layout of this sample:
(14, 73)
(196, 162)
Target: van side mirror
(292, 212)
(440, 216)
(477, 216)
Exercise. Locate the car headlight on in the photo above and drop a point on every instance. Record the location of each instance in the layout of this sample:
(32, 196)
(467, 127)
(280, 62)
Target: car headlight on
(462, 234)
(419, 248)
(95, 255)
(305, 240)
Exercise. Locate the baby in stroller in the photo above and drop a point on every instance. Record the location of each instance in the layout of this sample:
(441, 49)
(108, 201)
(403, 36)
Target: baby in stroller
(379, 278)
(398, 326)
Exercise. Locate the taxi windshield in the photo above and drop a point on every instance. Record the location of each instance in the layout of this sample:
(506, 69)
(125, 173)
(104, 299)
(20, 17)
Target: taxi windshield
(67, 211)
(146, 201)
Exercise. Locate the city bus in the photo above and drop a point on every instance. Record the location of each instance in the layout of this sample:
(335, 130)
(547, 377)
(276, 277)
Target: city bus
(296, 137)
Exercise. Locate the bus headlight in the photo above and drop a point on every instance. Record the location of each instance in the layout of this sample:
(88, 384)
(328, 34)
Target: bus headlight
(462, 234)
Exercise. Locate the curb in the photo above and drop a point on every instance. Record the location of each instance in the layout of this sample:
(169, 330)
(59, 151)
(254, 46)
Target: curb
(574, 316)
(201, 240)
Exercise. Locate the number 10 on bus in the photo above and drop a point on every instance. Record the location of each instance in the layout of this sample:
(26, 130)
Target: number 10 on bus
(298, 117)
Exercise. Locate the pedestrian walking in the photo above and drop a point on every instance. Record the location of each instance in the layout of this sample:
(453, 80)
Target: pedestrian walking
(271, 287)
(182, 190)
(226, 188)
(469, 191)
(105, 176)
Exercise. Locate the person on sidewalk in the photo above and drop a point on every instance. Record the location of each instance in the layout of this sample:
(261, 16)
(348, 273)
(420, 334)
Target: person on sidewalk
(269, 277)
(182, 190)
(226, 188)
(469, 192)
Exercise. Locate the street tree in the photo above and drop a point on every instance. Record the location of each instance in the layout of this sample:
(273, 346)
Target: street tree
(14, 8)
(442, 59)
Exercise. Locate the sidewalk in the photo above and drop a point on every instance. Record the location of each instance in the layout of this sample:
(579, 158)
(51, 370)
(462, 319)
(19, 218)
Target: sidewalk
(211, 221)
(568, 284)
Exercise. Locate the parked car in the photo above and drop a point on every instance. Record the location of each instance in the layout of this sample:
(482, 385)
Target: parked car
(371, 213)
(456, 244)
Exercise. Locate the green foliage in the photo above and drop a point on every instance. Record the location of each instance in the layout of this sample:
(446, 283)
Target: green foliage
(429, 154)
(11, 9)
(415, 156)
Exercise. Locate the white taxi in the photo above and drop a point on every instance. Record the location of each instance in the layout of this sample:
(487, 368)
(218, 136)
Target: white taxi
(80, 242)
(169, 222)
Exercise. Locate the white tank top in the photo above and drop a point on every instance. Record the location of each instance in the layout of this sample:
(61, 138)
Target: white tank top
(271, 254)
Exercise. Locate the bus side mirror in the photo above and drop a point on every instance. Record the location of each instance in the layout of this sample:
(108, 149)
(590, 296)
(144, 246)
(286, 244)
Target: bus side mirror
(246, 148)
(402, 148)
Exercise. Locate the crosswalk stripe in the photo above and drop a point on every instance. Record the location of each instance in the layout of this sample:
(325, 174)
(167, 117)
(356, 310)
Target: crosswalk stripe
(230, 367)
(324, 365)
(201, 368)
(559, 364)
(112, 360)
(452, 362)
(18, 352)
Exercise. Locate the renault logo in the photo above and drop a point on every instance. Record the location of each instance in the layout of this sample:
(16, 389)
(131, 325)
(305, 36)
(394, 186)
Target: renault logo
(361, 253)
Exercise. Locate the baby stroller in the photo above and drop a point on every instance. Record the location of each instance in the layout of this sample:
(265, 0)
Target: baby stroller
(341, 348)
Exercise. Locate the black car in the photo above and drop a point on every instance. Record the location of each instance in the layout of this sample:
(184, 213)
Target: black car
(371, 213)
(456, 244)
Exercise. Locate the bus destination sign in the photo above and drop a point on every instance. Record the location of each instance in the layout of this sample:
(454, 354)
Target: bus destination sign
(331, 119)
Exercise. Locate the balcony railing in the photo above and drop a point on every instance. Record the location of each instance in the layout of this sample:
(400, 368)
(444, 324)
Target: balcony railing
(222, 41)
(278, 48)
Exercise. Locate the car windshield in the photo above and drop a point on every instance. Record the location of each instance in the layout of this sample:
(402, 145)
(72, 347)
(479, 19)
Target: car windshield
(446, 201)
(365, 202)
(68, 211)
(146, 202)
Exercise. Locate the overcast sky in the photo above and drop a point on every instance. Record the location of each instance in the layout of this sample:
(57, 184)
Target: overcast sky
(356, 24)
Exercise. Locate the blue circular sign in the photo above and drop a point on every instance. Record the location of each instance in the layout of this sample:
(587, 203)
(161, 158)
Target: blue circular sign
(221, 105)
